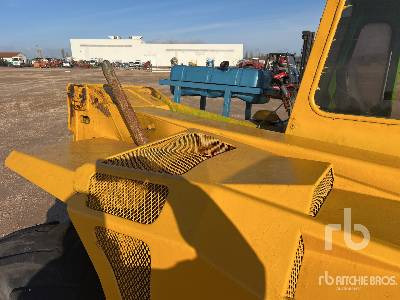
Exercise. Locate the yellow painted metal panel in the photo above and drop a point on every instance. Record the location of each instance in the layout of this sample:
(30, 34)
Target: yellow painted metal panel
(236, 225)
(52, 167)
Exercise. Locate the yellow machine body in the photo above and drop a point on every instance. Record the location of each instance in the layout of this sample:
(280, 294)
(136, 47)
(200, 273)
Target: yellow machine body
(214, 208)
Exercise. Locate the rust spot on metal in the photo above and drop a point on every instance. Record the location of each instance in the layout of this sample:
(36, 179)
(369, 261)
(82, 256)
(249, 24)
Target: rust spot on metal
(97, 100)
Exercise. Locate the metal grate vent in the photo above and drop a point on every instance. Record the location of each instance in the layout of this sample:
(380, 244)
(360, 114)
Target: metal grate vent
(130, 261)
(321, 193)
(134, 200)
(176, 155)
(294, 275)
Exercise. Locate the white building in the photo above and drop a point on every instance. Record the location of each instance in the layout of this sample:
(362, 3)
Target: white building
(9, 56)
(117, 49)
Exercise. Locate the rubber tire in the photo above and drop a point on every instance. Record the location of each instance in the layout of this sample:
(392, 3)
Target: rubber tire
(46, 261)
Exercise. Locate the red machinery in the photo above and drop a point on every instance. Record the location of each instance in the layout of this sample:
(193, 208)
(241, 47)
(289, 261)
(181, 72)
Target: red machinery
(83, 64)
(252, 63)
(285, 78)
(40, 63)
(284, 73)
(55, 63)
(147, 66)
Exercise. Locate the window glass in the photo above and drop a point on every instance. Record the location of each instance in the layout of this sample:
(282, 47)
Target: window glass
(361, 75)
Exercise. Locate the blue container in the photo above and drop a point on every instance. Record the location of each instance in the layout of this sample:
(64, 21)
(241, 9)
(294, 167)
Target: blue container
(246, 84)
(231, 77)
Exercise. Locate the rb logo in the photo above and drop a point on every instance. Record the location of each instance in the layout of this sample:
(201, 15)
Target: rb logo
(330, 228)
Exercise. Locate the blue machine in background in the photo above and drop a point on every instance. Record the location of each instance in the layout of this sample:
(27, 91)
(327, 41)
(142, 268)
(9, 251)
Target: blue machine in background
(246, 84)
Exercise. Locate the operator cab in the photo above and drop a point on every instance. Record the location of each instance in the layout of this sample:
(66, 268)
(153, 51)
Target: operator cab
(361, 75)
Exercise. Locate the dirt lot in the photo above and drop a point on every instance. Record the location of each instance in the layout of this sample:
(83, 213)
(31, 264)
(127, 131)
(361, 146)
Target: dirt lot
(33, 112)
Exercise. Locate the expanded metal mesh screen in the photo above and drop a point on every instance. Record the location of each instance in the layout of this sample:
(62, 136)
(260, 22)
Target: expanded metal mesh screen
(294, 275)
(321, 192)
(130, 261)
(134, 200)
(176, 155)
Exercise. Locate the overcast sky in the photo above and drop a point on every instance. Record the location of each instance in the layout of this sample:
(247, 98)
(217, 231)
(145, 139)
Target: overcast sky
(262, 25)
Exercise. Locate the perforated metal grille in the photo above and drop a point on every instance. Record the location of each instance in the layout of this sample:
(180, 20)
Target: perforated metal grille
(321, 192)
(176, 155)
(134, 200)
(130, 261)
(294, 275)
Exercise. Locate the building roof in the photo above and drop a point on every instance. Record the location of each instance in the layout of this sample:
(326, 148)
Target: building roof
(9, 54)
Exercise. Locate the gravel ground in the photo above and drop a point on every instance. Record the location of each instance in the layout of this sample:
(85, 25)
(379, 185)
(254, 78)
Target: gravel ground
(33, 113)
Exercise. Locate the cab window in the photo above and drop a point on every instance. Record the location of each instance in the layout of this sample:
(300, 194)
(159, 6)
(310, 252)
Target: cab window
(362, 75)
